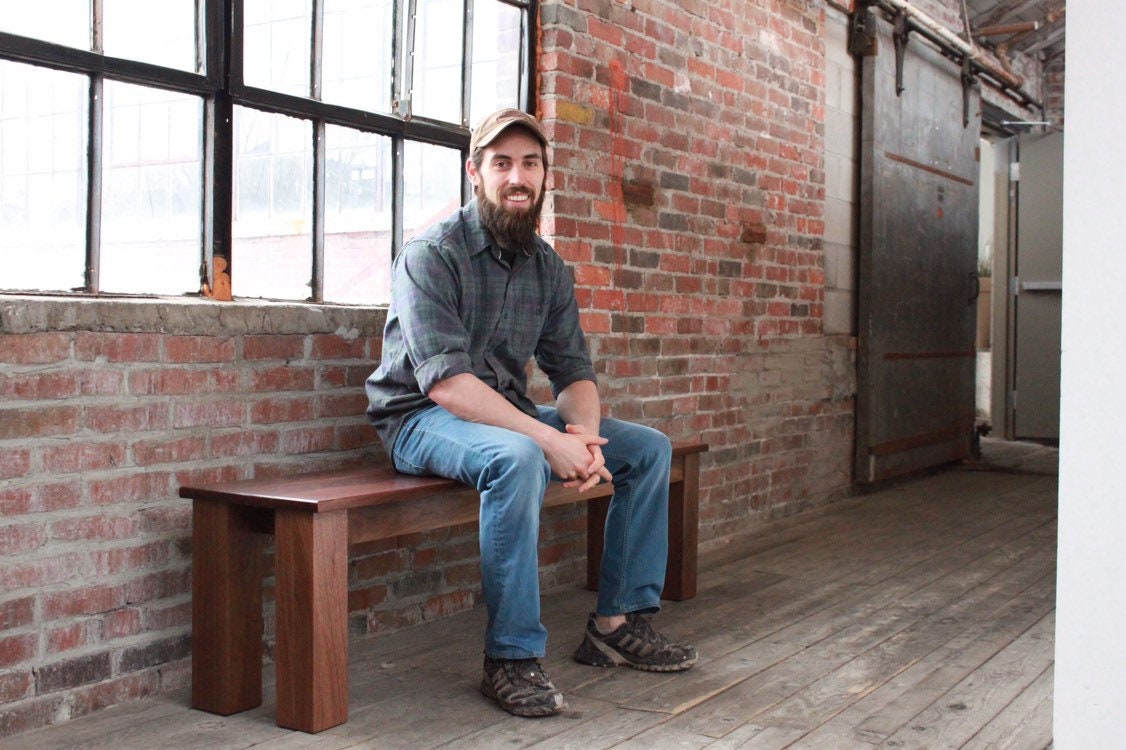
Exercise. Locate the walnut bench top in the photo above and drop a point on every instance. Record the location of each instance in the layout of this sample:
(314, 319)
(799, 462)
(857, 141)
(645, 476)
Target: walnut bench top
(360, 487)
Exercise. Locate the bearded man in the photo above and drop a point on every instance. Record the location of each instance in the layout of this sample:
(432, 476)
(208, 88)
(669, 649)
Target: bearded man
(473, 298)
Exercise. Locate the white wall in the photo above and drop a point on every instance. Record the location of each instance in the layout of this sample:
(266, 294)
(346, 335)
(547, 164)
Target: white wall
(1090, 692)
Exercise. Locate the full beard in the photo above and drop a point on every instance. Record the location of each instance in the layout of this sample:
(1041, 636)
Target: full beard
(512, 228)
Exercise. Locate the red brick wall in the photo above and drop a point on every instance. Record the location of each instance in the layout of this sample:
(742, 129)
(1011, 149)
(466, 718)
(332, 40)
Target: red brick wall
(687, 189)
(105, 409)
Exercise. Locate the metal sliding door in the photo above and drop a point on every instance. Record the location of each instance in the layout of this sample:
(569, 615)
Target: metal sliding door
(918, 262)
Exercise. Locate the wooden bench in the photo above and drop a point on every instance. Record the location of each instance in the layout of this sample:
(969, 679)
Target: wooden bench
(313, 518)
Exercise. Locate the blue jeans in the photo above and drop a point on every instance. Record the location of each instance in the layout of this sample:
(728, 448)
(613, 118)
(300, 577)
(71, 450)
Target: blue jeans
(511, 473)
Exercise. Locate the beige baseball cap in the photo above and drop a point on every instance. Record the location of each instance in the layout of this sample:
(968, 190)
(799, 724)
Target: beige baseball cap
(493, 125)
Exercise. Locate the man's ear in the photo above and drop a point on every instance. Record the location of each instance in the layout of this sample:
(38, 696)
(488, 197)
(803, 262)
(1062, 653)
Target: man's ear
(471, 170)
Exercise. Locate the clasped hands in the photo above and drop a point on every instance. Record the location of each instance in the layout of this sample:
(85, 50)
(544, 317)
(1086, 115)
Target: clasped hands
(577, 458)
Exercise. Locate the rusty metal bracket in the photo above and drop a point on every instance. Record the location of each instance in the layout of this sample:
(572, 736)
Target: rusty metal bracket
(969, 83)
(862, 37)
(900, 36)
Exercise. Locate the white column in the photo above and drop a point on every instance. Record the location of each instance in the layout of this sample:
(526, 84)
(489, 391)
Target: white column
(1090, 691)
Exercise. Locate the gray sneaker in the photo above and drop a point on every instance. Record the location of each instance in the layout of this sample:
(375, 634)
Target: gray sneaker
(521, 687)
(635, 644)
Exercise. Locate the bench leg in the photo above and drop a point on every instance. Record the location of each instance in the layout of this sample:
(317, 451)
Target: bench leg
(596, 511)
(312, 619)
(684, 531)
(227, 570)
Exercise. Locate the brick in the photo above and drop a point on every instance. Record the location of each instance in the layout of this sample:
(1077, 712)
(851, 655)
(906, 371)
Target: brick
(113, 692)
(152, 654)
(14, 463)
(94, 528)
(15, 649)
(117, 347)
(212, 414)
(32, 713)
(42, 386)
(51, 421)
(337, 346)
(197, 349)
(273, 347)
(122, 623)
(40, 498)
(308, 440)
(107, 562)
(68, 637)
(123, 418)
(164, 451)
(85, 601)
(83, 456)
(69, 673)
(274, 410)
(341, 405)
(23, 537)
(244, 443)
(163, 584)
(16, 613)
(130, 488)
(14, 685)
(180, 381)
(35, 348)
(287, 378)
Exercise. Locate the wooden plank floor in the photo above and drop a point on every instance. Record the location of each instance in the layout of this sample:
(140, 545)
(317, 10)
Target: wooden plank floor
(919, 616)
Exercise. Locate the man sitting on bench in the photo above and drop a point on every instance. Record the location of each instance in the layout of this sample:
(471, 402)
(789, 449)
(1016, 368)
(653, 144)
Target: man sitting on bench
(473, 298)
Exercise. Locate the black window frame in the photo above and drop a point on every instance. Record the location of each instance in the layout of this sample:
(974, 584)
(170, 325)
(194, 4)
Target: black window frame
(221, 87)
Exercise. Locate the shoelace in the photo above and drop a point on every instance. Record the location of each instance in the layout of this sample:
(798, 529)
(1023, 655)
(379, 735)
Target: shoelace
(529, 669)
(644, 630)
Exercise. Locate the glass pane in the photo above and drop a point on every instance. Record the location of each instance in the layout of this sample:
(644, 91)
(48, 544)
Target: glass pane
(496, 58)
(152, 191)
(357, 217)
(437, 60)
(273, 206)
(277, 45)
(432, 178)
(161, 33)
(60, 21)
(43, 126)
(357, 54)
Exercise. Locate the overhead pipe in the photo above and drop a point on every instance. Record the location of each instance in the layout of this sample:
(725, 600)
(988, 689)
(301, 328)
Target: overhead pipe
(1002, 49)
(946, 38)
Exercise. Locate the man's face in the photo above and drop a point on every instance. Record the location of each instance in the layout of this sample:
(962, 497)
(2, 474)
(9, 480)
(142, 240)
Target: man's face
(511, 175)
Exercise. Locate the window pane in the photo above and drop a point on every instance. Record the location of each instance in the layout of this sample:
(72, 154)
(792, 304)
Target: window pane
(437, 60)
(357, 54)
(357, 266)
(277, 44)
(43, 118)
(59, 21)
(432, 181)
(152, 192)
(496, 57)
(162, 33)
(273, 206)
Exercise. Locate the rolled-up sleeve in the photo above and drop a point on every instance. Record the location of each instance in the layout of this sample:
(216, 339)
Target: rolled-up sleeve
(436, 340)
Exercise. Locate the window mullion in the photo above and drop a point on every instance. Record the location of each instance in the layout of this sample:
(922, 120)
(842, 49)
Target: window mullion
(404, 92)
(316, 59)
(94, 183)
(467, 65)
(398, 191)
